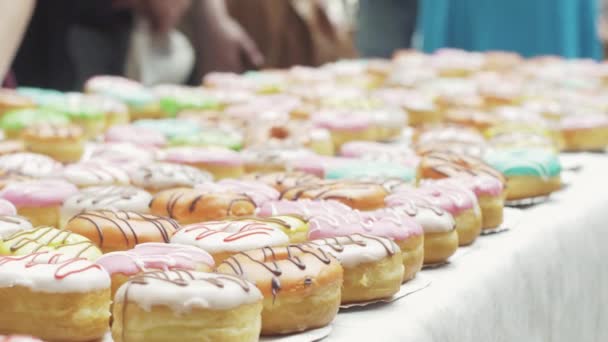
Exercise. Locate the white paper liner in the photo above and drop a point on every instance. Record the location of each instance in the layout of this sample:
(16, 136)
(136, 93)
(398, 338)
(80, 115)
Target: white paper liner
(417, 284)
(435, 265)
(511, 218)
(526, 202)
(305, 336)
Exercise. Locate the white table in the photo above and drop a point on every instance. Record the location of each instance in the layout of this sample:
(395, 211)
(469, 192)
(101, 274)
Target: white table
(544, 280)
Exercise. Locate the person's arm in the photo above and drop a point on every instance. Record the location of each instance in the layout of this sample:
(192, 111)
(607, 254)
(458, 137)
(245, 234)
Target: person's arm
(220, 42)
(14, 19)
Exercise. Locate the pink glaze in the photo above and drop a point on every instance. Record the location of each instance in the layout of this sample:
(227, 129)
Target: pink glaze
(408, 99)
(259, 192)
(481, 185)
(390, 220)
(305, 208)
(156, 256)
(317, 165)
(38, 193)
(349, 121)
(281, 105)
(7, 208)
(574, 122)
(209, 155)
(136, 135)
(453, 199)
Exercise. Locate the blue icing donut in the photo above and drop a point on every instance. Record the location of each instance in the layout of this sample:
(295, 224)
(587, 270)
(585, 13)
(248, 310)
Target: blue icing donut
(371, 170)
(525, 162)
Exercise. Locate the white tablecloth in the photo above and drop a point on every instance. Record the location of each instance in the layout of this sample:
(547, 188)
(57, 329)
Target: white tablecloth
(544, 280)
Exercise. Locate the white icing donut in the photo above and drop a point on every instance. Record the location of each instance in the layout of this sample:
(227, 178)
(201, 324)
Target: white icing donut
(161, 176)
(10, 225)
(185, 290)
(52, 273)
(258, 192)
(231, 236)
(29, 164)
(94, 173)
(357, 249)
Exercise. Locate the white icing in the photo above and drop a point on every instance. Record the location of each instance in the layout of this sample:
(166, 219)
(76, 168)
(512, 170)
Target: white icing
(160, 176)
(432, 219)
(10, 225)
(38, 273)
(29, 164)
(198, 293)
(94, 173)
(358, 248)
(231, 236)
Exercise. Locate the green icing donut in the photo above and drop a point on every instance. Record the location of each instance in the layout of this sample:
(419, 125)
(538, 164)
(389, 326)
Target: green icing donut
(22, 118)
(525, 162)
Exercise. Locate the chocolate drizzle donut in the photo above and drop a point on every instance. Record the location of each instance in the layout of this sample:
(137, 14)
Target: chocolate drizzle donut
(440, 164)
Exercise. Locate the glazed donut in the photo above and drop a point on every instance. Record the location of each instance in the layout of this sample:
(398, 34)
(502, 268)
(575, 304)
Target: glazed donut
(225, 238)
(155, 177)
(585, 132)
(474, 118)
(12, 100)
(153, 256)
(421, 108)
(449, 134)
(29, 164)
(440, 236)
(442, 164)
(515, 139)
(7, 208)
(123, 154)
(14, 122)
(356, 194)
(529, 172)
(126, 198)
(39, 200)
(121, 230)
(192, 205)
(42, 289)
(258, 192)
(9, 177)
(64, 143)
(10, 224)
(170, 127)
(182, 305)
(283, 180)
(293, 225)
(318, 165)
(301, 285)
(460, 202)
(373, 267)
(94, 173)
(11, 146)
(382, 152)
(140, 136)
(268, 157)
(477, 150)
(83, 110)
(49, 239)
(345, 125)
(328, 219)
(371, 170)
(222, 163)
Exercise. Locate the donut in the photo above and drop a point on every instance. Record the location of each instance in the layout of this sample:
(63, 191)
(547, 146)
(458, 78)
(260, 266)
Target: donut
(258, 192)
(94, 173)
(225, 238)
(449, 134)
(490, 195)
(54, 297)
(473, 118)
(11, 146)
(39, 200)
(154, 177)
(29, 164)
(7, 208)
(301, 285)
(169, 128)
(153, 256)
(211, 136)
(126, 155)
(141, 102)
(373, 267)
(293, 225)
(177, 98)
(268, 157)
(440, 236)
(318, 165)
(14, 122)
(49, 239)
(475, 150)
(64, 143)
(460, 202)
(116, 112)
(329, 219)
(10, 100)
(529, 172)
(442, 164)
(186, 306)
(585, 132)
(222, 163)
(83, 110)
(11, 224)
(381, 152)
(451, 62)
(40, 96)
(356, 194)
(370, 170)
(283, 180)
(125, 198)
(121, 230)
(188, 206)
(420, 107)
(140, 136)
(345, 126)
(9, 177)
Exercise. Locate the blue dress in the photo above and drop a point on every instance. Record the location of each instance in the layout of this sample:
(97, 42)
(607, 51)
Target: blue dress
(530, 27)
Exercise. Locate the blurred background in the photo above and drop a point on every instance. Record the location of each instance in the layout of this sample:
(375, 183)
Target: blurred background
(61, 43)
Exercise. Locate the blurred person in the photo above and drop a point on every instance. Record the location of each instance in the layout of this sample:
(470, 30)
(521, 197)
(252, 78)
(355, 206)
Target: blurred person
(539, 27)
(385, 25)
(15, 18)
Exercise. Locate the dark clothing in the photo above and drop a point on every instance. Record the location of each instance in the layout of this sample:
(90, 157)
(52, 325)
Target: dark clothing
(69, 41)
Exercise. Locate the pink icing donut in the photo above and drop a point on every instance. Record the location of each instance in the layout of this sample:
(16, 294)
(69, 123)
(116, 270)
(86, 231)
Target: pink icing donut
(453, 199)
(481, 185)
(7, 208)
(209, 155)
(155, 256)
(124, 154)
(342, 120)
(136, 135)
(38, 193)
(259, 192)
(317, 165)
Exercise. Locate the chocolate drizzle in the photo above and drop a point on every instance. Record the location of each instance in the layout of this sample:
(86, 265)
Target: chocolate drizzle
(42, 237)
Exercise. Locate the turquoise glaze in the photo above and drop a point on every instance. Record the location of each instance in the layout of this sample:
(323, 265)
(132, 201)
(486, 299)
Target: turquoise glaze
(40, 96)
(171, 128)
(371, 170)
(525, 162)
